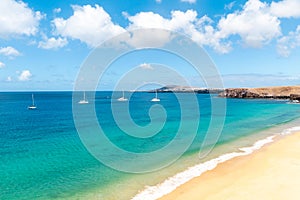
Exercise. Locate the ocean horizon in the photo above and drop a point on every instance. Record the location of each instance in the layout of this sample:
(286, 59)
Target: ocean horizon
(43, 157)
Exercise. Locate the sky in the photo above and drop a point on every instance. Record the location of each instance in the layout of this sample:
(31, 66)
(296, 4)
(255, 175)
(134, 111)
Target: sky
(43, 44)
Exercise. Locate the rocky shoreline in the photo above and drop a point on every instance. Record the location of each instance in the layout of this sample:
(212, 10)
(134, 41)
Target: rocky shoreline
(286, 92)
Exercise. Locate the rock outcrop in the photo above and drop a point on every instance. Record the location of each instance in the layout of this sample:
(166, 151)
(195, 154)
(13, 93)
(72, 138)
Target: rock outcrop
(295, 98)
(286, 92)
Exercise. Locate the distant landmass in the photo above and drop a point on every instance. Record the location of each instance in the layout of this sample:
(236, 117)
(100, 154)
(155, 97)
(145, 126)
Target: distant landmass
(187, 89)
(280, 92)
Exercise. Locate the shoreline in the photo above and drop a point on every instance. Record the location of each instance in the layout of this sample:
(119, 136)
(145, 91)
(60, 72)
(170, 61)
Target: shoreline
(147, 190)
(269, 172)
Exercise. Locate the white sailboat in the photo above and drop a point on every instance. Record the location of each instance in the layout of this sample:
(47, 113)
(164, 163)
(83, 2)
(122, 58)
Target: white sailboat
(84, 100)
(155, 99)
(32, 107)
(122, 98)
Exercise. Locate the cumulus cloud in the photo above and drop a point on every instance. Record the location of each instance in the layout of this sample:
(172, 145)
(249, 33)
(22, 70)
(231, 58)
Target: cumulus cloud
(188, 1)
(254, 24)
(199, 29)
(147, 20)
(9, 52)
(53, 43)
(2, 65)
(17, 19)
(286, 43)
(91, 25)
(286, 8)
(25, 75)
(146, 66)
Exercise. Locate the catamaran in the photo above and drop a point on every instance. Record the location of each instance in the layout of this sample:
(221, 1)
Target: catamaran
(32, 107)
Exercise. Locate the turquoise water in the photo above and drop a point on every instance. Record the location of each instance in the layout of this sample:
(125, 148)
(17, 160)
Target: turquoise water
(42, 156)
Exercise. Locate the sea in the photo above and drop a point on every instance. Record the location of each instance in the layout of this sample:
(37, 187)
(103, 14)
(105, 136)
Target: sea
(43, 155)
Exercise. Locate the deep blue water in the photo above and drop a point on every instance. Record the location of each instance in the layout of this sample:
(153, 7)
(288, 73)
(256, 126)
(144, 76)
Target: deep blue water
(42, 156)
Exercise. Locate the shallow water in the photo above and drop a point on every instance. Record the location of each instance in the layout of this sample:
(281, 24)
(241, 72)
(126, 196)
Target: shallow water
(42, 156)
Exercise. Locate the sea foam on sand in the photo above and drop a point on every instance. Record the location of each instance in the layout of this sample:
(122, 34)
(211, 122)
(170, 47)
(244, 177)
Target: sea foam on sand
(170, 184)
(290, 130)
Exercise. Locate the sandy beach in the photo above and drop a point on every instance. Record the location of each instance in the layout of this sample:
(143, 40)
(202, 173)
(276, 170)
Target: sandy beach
(273, 172)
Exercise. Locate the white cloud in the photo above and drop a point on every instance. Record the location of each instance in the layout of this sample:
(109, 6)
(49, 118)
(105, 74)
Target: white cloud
(286, 43)
(146, 38)
(9, 79)
(158, 1)
(286, 8)
(150, 38)
(91, 25)
(146, 66)
(53, 43)
(199, 29)
(9, 51)
(254, 24)
(2, 65)
(147, 20)
(189, 1)
(57, 10)
(25, 75)
(17, 19)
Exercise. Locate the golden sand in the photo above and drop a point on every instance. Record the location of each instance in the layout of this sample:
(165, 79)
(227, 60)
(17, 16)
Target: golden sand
(271, 173)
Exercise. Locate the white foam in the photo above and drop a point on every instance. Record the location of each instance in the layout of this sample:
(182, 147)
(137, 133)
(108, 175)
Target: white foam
(170, 184)
(290, 130)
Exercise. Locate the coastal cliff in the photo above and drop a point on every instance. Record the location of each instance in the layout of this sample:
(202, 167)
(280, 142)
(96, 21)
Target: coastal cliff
(284, 92)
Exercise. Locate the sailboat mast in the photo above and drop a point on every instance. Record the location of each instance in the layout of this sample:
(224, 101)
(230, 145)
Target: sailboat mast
(84, 95)
(32, 99)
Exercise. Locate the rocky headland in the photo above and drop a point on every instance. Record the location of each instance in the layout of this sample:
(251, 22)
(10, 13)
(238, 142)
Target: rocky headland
(284, 92)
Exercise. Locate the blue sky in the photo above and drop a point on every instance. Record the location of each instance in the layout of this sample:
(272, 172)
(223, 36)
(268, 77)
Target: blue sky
(252, 42)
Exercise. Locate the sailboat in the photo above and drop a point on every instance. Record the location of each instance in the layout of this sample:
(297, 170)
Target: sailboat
(84, 100)
(155, 99)
(122, 98)
(32, 107)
